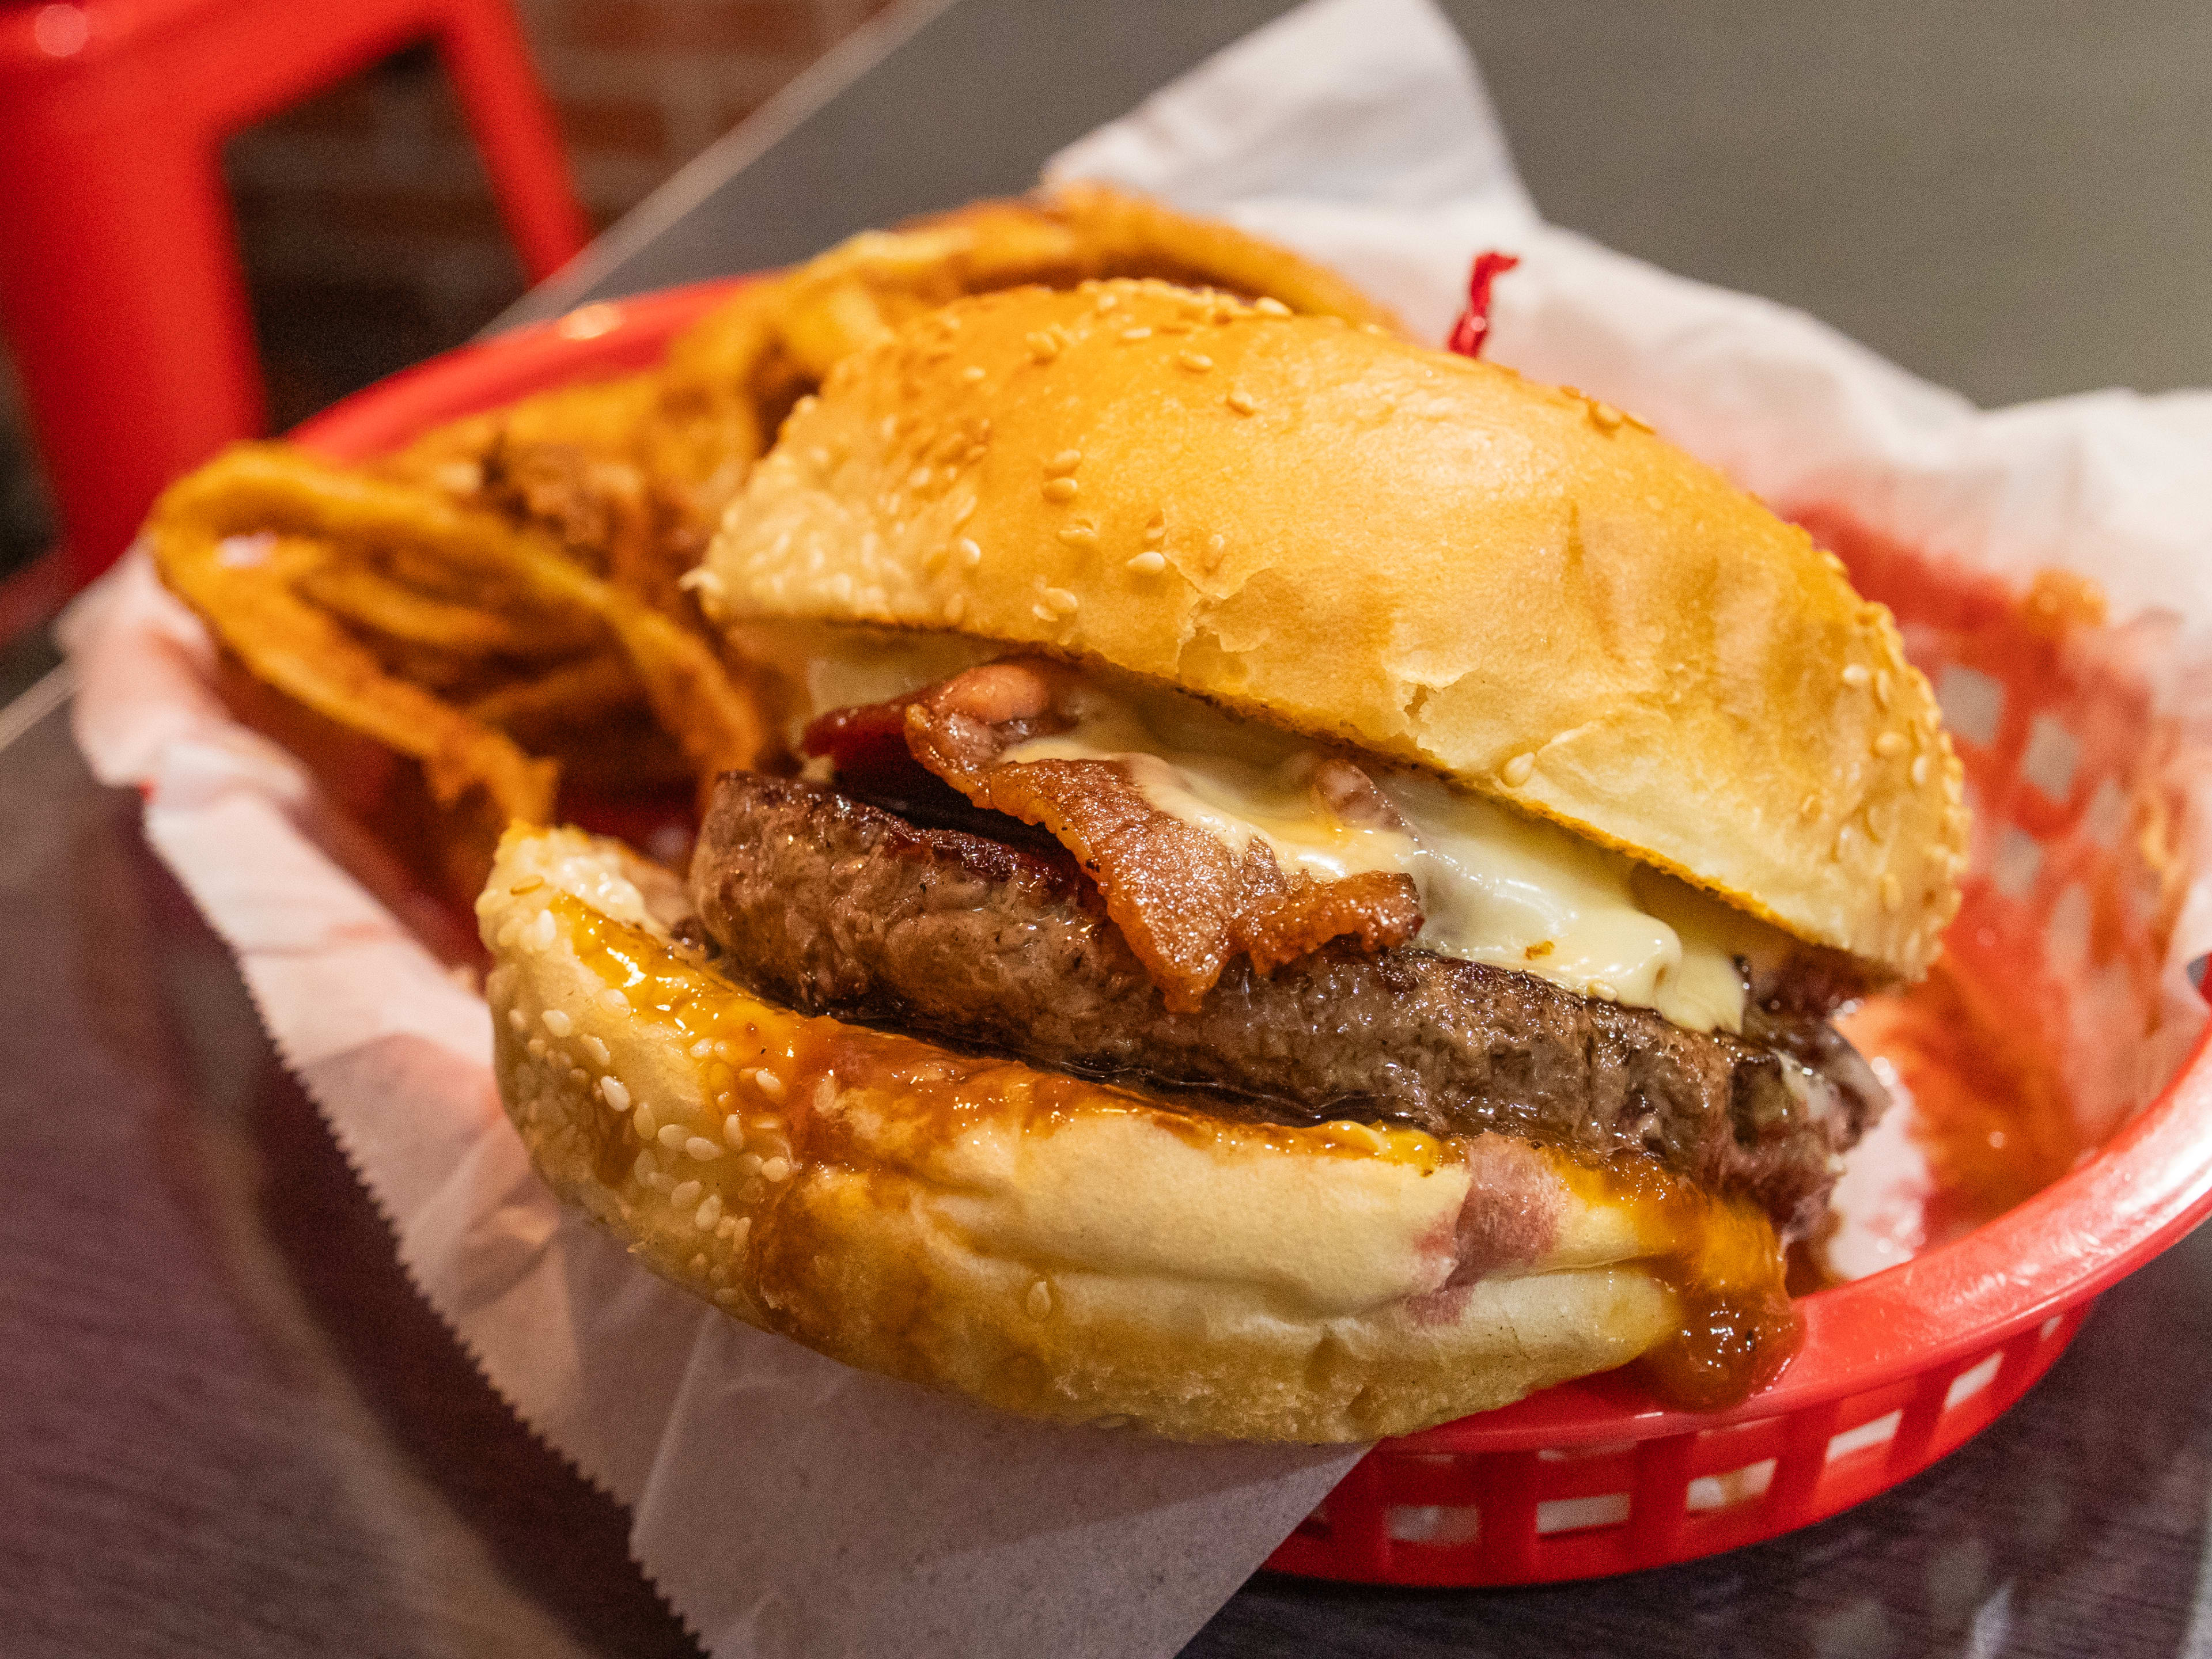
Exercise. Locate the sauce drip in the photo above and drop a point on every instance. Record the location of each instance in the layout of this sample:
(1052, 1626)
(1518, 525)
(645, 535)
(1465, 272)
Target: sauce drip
(1720, 1259)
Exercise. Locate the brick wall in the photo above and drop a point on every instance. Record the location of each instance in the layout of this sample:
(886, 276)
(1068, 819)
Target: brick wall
(366, 205)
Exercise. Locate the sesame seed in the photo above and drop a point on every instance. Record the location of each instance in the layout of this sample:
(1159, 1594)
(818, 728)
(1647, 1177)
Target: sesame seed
(956, 608)
(1604, 417)
(1042, 614)
(1809, 807)
(702, 1048)
(1242, 403)
(527, 885)
(1147, 564)
(1196, 362)
(970, 555)
(519, 1020)
(642, 1121)
(1889, 744)
(1920, 771)
(775, 1169)
(596, 1052)
(685, 1195)
(1881, 689)
(615, 1092)
(578, 1075)
(541, 931)
(1061, 600)
(645, 1165)
(1040, 1300)
(733, 1133)
(613, 1000)
(769, 1084)
(1270, 306)
(1515, 771)
(536, 1047)
(671, 1136)
(709, 1213)
(702, 1150)
(1080, 535)
(558, 1023)
(1856, 676)
(1603, 991)
(1136, 334)
(972, 373)
(1067, 461)
(738, 1233)
(1060, 490)
(1108, 300)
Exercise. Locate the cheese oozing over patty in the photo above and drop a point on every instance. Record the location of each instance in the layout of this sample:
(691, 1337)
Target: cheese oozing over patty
(1496, 886)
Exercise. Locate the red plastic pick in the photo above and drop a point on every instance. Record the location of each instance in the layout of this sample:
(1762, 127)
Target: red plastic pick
(1473, 328)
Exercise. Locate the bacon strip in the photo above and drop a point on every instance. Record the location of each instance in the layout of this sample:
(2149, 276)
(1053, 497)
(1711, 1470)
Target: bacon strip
(1186, 903)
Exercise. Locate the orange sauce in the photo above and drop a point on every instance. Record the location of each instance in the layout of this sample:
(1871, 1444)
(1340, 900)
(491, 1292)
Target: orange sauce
(1990, 1113)
(1725, 1267)
(941, 1093)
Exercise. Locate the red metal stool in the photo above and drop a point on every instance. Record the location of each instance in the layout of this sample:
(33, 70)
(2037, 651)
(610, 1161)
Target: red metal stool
(121, 288)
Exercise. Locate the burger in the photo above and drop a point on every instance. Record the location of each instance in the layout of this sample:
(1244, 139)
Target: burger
(1303, 895)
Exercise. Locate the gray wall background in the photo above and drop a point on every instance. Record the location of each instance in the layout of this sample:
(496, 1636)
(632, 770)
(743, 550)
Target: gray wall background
(2014, 199)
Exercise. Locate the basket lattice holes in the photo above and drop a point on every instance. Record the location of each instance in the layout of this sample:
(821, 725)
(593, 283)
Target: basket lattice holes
(2071, 897)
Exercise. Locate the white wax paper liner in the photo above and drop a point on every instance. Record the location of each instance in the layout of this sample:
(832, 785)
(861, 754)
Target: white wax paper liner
(789, 1506)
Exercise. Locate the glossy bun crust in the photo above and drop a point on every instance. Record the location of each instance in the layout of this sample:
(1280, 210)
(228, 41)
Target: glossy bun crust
(1045, 1244)
(1425, 557)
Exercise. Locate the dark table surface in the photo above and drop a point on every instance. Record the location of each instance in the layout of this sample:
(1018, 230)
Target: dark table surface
(229, 1425)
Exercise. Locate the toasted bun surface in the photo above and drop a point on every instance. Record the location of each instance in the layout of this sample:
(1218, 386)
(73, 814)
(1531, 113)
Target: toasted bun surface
(1429, 558)
(1045, 1244)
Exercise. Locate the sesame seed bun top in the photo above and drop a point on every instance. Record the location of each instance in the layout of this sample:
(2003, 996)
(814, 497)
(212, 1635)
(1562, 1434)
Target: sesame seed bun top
(1422, 556)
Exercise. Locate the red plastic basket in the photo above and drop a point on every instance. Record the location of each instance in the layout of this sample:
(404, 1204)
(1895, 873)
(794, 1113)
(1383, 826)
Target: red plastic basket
(1590, 1478)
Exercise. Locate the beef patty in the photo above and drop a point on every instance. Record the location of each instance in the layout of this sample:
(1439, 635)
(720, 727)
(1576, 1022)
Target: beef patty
(996, 941)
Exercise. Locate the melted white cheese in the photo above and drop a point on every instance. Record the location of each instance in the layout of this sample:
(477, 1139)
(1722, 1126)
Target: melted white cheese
(1496, 886)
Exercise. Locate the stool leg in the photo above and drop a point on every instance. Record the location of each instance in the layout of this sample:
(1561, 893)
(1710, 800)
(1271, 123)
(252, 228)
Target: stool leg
(120, 271)
(489, 63)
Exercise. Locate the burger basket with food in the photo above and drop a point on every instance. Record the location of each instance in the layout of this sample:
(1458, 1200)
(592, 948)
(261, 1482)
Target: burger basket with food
(1252, 879)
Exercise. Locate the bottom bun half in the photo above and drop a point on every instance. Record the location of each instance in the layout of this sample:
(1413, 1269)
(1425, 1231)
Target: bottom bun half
(1044, 1243)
